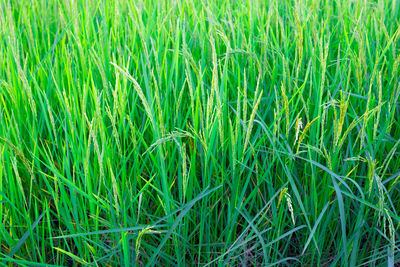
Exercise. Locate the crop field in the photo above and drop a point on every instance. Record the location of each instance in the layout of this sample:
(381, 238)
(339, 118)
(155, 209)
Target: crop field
(199, 133)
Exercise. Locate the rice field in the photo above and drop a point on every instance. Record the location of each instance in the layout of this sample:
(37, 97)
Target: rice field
(199, 133)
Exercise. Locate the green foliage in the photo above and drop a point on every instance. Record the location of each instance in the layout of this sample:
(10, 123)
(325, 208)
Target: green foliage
(199, 132)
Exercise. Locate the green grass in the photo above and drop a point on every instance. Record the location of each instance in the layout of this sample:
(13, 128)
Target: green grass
(198, 132)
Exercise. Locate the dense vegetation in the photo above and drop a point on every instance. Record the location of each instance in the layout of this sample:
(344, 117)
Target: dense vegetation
(199, 132)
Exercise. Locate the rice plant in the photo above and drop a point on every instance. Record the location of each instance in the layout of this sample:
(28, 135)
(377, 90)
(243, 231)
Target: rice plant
(199, 133)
